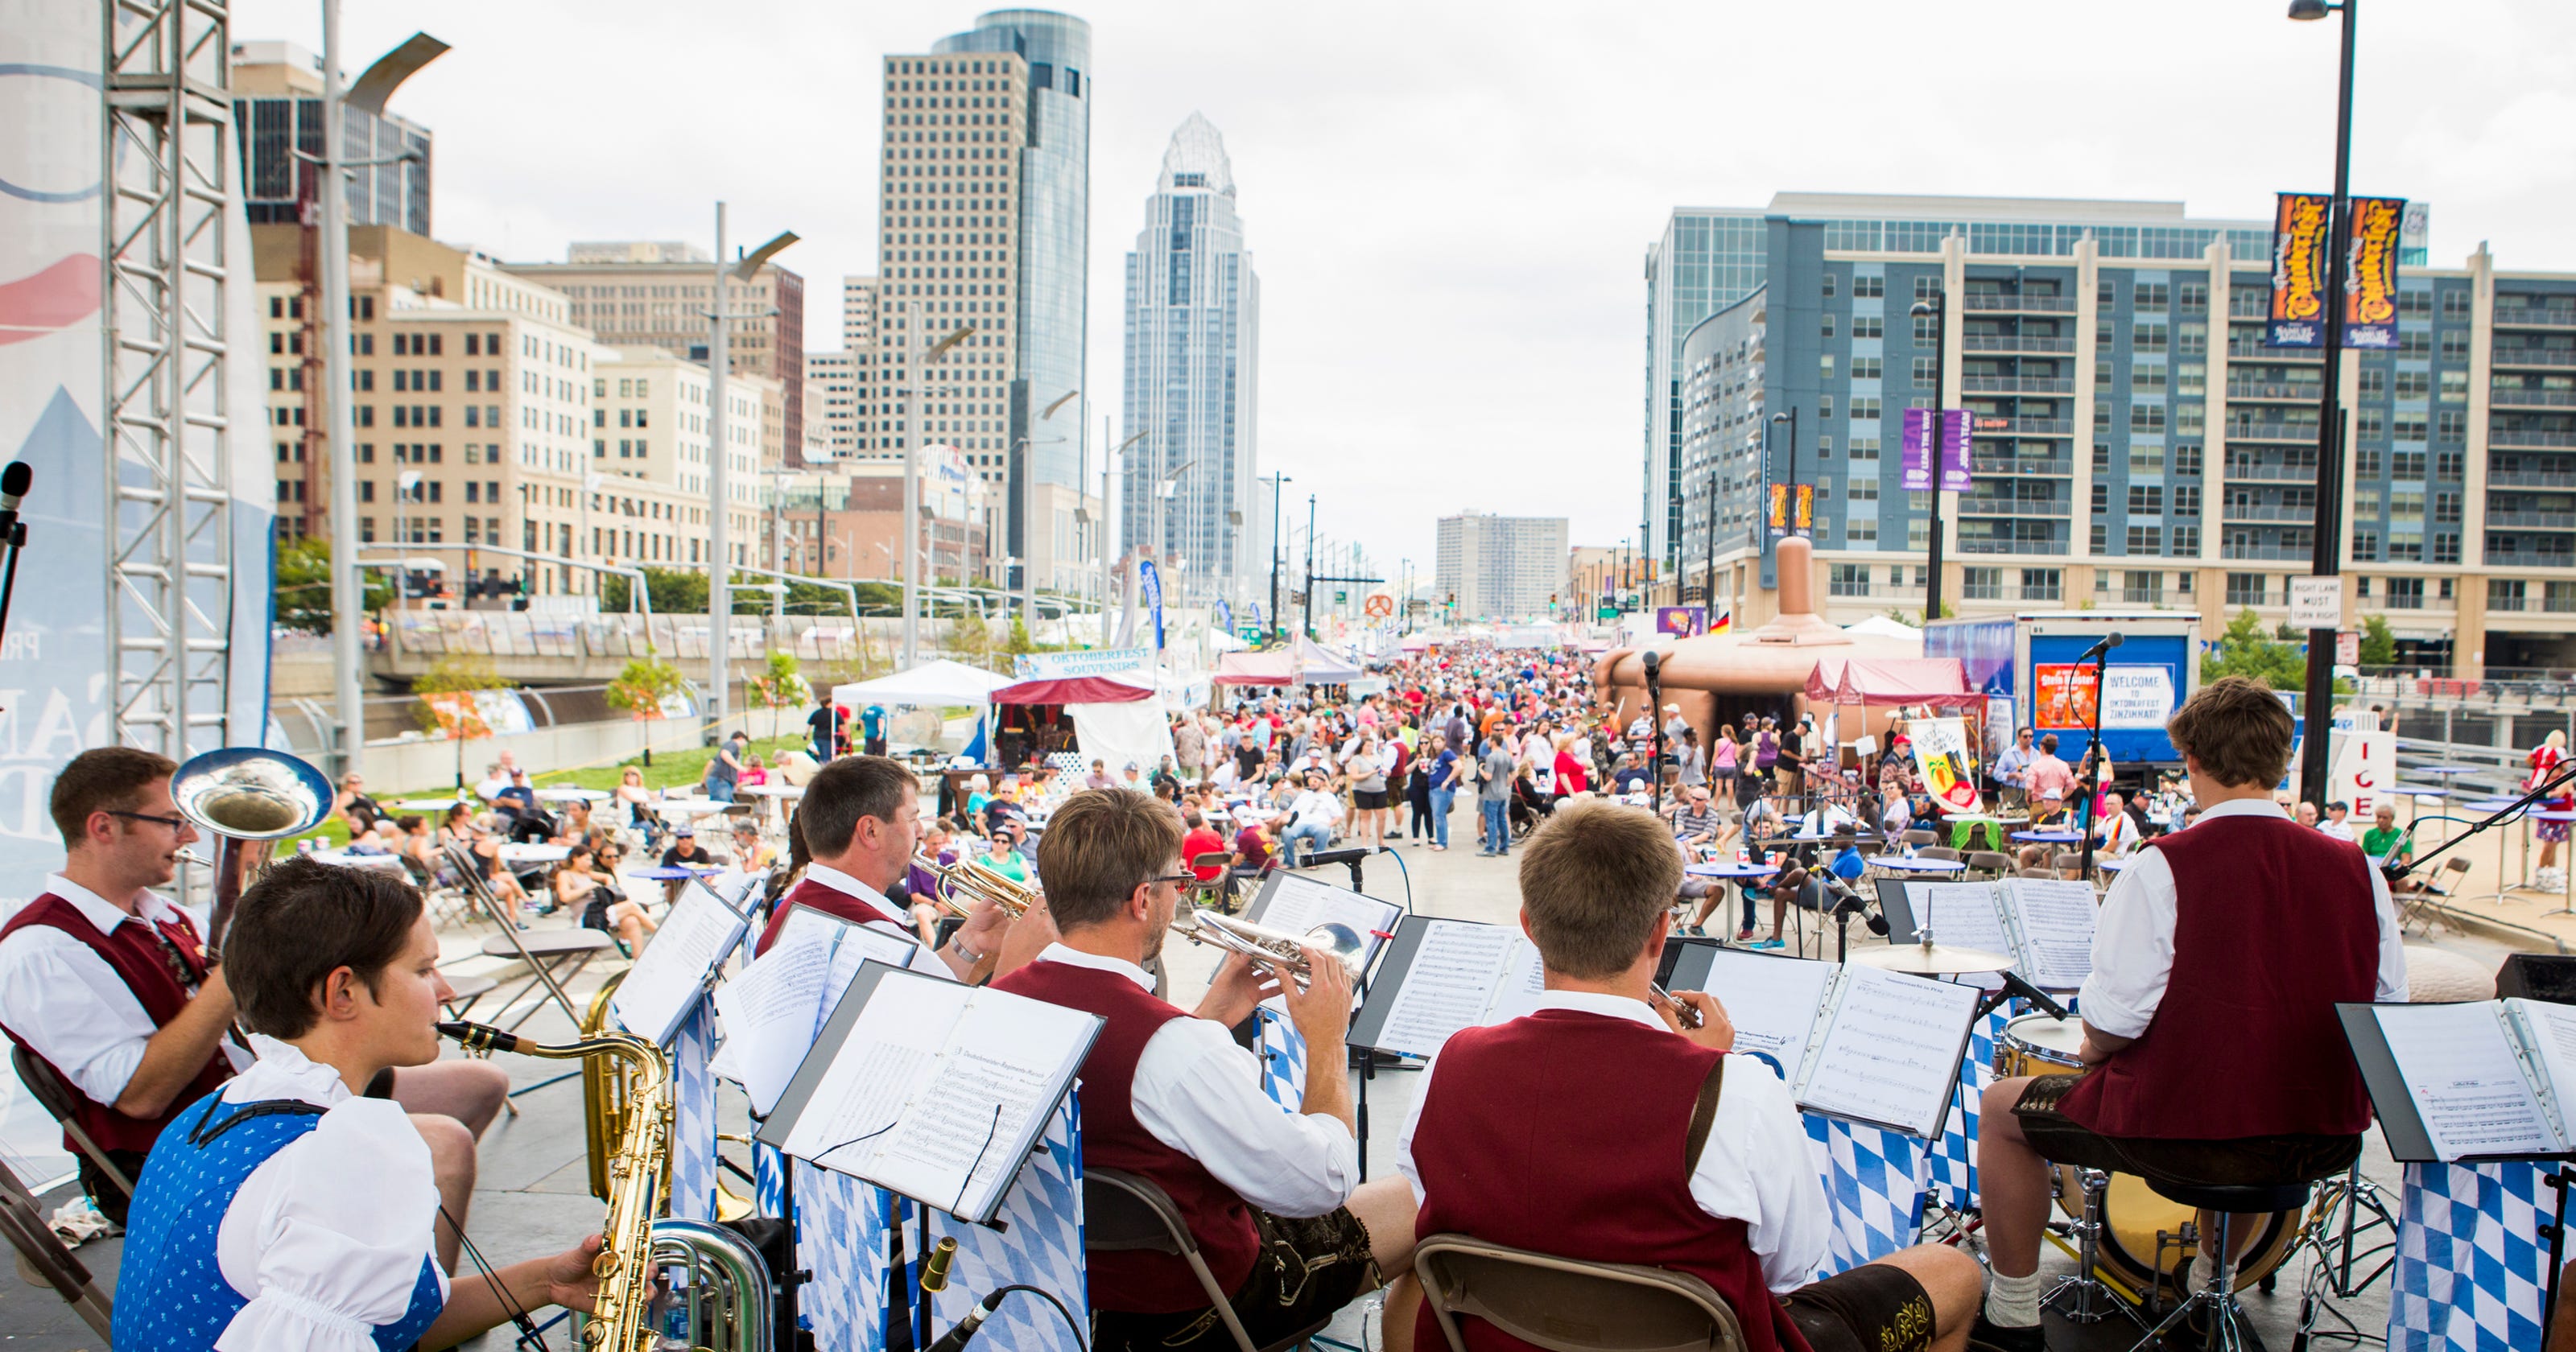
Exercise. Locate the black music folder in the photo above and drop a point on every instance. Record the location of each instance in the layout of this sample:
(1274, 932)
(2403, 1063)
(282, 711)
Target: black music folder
(2044, 925)
(931, 1089)
(2492, 1080)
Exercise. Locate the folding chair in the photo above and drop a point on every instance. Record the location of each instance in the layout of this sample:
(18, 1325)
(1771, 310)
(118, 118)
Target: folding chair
(2067, 861)
(445, 903)
(1990, 863)
(1123, 1212)
(566, 951)
(1938, 852)
(2035, 873)
(1565, 1305)
(2425, 902)
(1214, 893)
(1919, 839)
(57, 1099)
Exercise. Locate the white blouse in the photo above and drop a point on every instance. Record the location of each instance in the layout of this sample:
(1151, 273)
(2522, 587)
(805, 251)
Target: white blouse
(327, 1236)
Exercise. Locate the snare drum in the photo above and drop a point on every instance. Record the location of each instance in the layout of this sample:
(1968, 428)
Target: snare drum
(2039, 1044)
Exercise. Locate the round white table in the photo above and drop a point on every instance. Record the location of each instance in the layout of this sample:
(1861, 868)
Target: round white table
(687, 809)
(1898, 863)
(428, 804)
(778, 797)
(520, 856)
(572, 795)
(347, 860)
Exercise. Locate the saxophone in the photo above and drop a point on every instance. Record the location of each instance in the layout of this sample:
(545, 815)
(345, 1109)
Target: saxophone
(726, 1299)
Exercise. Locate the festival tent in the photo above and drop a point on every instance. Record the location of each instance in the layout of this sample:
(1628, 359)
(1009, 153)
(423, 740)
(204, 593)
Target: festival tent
(937, 684)
(1414, 643)
(1252, 669)
(1883, 627)
(1323, 666)
(1114, 688)
(1940, 681)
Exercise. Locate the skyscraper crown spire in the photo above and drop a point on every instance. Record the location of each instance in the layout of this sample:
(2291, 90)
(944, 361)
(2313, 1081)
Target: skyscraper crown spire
(1196, 159)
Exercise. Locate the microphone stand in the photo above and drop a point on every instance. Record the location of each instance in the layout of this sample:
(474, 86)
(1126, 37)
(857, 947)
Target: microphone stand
(2093, 749)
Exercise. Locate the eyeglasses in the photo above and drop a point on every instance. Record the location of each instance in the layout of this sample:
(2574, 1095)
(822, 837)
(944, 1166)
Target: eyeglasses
(174, 823)
(1182, 877)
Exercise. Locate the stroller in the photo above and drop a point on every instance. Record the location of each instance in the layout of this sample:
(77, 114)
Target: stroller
(1529, 807)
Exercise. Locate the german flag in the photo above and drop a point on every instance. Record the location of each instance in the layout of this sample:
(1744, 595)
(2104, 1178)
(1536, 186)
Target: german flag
(1722, 623)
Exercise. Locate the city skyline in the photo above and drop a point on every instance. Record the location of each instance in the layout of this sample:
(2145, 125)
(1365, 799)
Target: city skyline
(1512, 195)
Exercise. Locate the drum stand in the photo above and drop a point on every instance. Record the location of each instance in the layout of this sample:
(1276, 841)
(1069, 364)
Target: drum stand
(2340, 1252)
(2088, 1299)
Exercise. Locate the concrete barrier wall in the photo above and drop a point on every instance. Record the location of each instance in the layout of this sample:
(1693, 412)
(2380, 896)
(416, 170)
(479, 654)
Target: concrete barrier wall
(400, 768)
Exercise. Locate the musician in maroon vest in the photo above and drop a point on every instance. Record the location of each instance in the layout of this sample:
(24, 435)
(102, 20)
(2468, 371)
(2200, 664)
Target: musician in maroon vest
(1597, 1128)
(1271, 1196)
(109, 984)
(861, 821)
(2212, 1049)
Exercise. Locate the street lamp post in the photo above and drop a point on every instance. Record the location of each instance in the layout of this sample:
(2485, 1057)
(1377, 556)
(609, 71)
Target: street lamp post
(348, 587)
(916, 377)
(1278, 549)
(1306, 625)
(1936, 453)
(2327, 560)
(719, 458)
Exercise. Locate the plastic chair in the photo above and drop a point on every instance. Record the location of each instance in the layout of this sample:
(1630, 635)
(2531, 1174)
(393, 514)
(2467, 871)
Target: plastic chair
(1566, 1305)
(58, 1101)
(1123, 1212)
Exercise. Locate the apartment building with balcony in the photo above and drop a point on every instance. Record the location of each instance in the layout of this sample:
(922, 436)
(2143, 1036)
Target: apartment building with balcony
(2134, 442)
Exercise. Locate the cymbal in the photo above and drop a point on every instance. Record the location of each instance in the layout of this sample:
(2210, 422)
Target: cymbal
(1931, 959)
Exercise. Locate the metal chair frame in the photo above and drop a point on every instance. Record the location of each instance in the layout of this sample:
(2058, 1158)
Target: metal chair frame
(57, 1099)
(1123, 1212)
(1533, 1296)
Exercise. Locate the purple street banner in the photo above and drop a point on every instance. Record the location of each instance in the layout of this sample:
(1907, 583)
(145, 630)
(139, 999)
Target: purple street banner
(2370, 273)
(2299, 245)
(1917, 468)
(1680, 621)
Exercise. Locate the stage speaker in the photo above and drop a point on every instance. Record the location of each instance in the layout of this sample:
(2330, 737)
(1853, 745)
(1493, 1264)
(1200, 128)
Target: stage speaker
(2538, 976)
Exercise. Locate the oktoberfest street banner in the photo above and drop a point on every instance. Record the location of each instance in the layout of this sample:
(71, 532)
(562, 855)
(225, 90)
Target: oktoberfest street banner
(1918, 462)
(2299, 243)
(2370, 273)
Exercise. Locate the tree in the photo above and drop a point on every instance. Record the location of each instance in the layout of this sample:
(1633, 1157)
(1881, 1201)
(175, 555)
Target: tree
(450, 704)
(780, 686)
(1018, 642)
(2378, 646)
(641, 688)
(2245, 650)
(304, 585)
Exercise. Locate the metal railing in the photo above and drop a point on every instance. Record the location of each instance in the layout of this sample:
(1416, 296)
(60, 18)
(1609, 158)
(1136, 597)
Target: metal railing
(2509, 397)
(2269, 511)
(2017, 384)
(2273, 389)
(2514, 438)
(2000, 546)
(2534, 520)
(2534, 317)
(2008, 464)
(1976, 506)
(2516, 558)
(2265, 553)
(1989, 301)
(2258, 352)
(2270, 472)
(2532, 356)
(2272, 431)
(2008, 342)
(2529, 478)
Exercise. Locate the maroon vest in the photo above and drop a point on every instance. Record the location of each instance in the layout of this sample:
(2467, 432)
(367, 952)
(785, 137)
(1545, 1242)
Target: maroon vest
(139, 962)
(830, 901)
(1140, 1282)
(2273, 925)
(1566, 1133)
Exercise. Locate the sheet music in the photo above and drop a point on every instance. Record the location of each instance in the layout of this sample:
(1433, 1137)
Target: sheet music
(1456, 973)
(1960, 915)
(2057, 919)
(1524, 983)
(978, 1104)
(2550, 1031)
(772, 1010)
(1890, 1051)
(1300, 904)
(889, 1054)
(671, 973)
(2467, 1084)
(1773, 1002)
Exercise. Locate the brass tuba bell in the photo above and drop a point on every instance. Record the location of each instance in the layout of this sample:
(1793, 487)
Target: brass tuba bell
(246, 796)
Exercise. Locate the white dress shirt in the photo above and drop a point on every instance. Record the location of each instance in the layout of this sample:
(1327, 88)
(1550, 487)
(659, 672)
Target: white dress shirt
(1758, 1166)
(2118, 833)
(1315, 808)
(71, 1006)
(326, 1236)
(2133, 940)
(923, 959)
(1198, 1092)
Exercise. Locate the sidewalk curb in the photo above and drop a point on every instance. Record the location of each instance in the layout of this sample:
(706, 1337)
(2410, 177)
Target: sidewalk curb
(2501, 931)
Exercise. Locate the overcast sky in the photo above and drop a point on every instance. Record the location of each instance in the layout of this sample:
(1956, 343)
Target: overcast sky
(1450, 202)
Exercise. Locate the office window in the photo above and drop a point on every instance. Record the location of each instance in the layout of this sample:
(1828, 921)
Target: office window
(2405, 593)
(2146, 417)
(1828, 325)
(2146, 500)
(2374, 382)
(2147, 379)
(2246, 589)
(1925, 370)
(1825, 366)
(2455, 303)
(2192, 297)
(2186, 542)
(1982, 584)
(1829, 286)
(2455, 387)
(2041, 584)
(2506, 593)
(2417, 384)
(1864, 368)
(1867, 326)
(2142, 586)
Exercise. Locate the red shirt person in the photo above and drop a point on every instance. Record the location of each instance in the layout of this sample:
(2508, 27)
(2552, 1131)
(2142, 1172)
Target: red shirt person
(2227, 944)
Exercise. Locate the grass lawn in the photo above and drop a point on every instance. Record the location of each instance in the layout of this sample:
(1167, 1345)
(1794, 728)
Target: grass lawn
(670, 769)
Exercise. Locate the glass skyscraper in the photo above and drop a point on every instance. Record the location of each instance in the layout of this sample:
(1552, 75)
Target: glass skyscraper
(1193, 329)
(1054, 230)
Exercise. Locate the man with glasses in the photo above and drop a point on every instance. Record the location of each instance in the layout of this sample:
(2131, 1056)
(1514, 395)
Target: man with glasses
(109, 984)
(1273, 1199)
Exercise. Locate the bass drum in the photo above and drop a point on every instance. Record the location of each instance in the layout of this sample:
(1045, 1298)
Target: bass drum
(2133, 1216)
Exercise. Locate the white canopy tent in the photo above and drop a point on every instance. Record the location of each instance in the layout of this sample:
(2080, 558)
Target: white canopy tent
(939, 684)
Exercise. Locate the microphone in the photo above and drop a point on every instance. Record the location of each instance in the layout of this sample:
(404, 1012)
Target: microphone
(957, 1338)
(2109, 641)
(13, 490)
(934, 1273)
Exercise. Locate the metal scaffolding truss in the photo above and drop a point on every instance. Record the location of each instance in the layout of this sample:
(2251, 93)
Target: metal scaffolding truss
(170, 166)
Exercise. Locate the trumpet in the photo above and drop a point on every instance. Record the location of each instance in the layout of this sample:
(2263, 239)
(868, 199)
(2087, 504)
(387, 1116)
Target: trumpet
(1281, 948)
(960, 885)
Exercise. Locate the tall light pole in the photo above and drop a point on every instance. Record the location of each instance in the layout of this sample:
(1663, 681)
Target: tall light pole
(348, 585)
(1028, 510)
(919, 360)
(719, 457)
(2327, 560)
(1306, 624)
(1937, 453)
(1278, 547)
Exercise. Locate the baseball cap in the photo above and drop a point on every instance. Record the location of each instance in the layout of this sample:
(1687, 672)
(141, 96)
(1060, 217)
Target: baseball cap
(685, 831)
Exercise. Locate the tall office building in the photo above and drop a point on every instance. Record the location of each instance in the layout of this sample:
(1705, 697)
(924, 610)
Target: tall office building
(831, 406)
(1500, 567)
(657, 293)
(277, 108)
(2134, 441)
(984, 225)
(1193, 347)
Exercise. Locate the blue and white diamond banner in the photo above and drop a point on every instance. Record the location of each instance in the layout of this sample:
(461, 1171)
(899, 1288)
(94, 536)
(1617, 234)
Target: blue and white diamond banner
(1282, 1050)
(1874, 1187)
(1036, 1241)
(2471, 1266)
(693, 1116)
